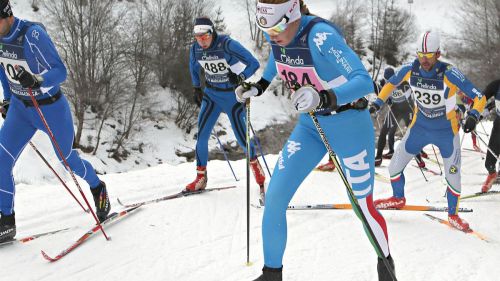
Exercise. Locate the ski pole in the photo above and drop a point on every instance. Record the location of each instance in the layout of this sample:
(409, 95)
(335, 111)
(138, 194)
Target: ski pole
(256, 140)
(487, 147)
(401, 131)
(482, 126)
(225, 156)
(352, 197)
(66, 165)
(57, 175)
(437, 159)
(247, 106)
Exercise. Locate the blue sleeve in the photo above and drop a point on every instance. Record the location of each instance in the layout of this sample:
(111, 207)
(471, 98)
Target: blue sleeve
(270, 71)
(238, 53)
(457, 78)
(194, 68)
(401, 74)
(335, 61)
(42, 55)
(5, 84)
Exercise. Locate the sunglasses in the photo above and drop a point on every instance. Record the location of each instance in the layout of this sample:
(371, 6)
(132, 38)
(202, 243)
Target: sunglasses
(274, 30)
(426, 55)
(203, 37)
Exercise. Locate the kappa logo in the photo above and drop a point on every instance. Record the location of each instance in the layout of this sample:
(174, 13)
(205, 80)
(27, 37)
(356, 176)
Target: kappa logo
(453, 169)
(281, 161)
(292, 147)
(35, 34)
(320, 38)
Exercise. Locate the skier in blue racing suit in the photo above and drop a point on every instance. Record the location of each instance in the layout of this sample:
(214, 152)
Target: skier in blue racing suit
(30, 60)
(327, 77)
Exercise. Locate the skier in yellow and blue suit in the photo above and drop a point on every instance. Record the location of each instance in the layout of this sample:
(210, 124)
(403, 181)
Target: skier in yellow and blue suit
(435, 85)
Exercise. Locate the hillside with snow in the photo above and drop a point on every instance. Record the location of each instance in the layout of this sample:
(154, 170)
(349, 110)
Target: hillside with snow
(203, 237)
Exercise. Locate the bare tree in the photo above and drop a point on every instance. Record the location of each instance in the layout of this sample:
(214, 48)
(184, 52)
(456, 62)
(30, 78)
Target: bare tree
(349, 17)
(478, 43)
(88, 38)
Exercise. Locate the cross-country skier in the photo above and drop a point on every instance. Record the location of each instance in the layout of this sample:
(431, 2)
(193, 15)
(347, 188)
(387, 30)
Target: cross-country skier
(29, 59)
(434, 84)
(327, 77)
(226, 63)
(400, 103)
(493, 90)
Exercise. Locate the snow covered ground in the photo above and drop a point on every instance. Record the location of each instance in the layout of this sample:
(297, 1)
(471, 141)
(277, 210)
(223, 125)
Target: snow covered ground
(203, 237)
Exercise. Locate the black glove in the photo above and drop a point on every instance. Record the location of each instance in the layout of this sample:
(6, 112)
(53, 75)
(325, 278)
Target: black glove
(327, 99)
(27, 79)
(374, 108)
(4, 107)
(197, 96)
(234, 78)
(470, 123)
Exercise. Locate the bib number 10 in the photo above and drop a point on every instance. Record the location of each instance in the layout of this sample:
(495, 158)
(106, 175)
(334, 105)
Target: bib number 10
(427, 98)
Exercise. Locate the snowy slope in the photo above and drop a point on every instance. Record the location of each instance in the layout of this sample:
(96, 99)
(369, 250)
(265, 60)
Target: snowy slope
(203, 237)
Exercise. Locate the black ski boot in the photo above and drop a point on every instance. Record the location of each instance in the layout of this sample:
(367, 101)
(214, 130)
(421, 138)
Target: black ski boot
(101, 199)
(270, 274)
(383, 273)
(7, 227)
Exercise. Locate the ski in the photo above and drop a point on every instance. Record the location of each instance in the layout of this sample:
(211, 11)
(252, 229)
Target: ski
(31, 237)
(348, 207)
(479, 194)
(174, 196)
(445, 222)
(111, 218)
(428, 170)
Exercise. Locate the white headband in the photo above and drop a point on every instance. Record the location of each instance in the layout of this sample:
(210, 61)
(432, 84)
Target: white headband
(200, 29)
(268, 15)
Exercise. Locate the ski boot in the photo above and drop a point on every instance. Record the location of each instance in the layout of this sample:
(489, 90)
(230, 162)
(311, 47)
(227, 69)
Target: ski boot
(7, 227)
(388, 155)
(391, 202)
(327, 167)
(101, 200)
(459, 223)
(383, 272)
(270, 274)
(378, 162)
(200, 182)
(489, 182)
(260, 178)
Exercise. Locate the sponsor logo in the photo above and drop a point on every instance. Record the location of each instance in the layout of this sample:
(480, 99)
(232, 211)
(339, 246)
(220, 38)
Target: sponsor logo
(458, 74)
(265, 10)
(293, 61)
(320, 38)
(341, 59)
(35, 34)
(478, 93)
(7, 54)
(209, 57)
(262, 21)
(295, 3)
(292, 147)
(283, 50)
(453, 169)
(426, 86)
(281, 161)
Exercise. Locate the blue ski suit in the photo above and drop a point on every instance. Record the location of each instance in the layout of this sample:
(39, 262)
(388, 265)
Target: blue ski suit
(223, 54)
(28, 45)
(319, 56)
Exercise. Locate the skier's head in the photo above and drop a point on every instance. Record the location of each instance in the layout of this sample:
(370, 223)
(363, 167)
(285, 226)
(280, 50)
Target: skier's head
(6, 17)
(388, 72)
(428, 49)
(204, 32)
(279, 18)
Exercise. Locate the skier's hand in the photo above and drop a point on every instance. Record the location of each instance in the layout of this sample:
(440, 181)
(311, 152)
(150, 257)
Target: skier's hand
(243, 92)
(470, 123)
(307, 99)
(27, 79)
(234, 78)
(197, 96)
(374, 108)
(4, 107)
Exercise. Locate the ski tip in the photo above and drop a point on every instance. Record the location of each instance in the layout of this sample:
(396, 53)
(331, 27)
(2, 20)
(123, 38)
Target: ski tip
(45, 256)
